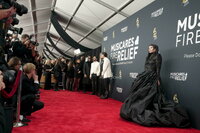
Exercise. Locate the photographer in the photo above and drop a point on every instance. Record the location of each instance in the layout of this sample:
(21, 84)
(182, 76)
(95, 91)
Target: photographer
(30, 91)
(22, 49)
(9, 95)
(4, 24)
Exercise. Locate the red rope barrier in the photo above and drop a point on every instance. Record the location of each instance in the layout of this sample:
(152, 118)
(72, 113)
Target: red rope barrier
(14, 86)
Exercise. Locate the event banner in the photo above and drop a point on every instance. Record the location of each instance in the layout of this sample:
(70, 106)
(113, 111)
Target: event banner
(174, 25)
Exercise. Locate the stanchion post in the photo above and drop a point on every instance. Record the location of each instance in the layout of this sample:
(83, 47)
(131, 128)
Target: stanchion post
(18, 123)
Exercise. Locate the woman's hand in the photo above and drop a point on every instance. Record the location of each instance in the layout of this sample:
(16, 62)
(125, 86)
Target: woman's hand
(158, 82)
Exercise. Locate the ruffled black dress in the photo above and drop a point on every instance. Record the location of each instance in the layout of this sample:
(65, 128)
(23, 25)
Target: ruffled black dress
(146, 104)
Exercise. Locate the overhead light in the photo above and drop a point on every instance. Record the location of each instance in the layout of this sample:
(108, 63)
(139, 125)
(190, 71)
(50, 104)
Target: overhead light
(77, 51)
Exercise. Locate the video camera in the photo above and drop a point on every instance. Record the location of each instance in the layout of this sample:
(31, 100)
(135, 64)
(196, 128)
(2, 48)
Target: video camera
(16, 30)
(35, 43)
(15, 21)
(9, 77)
(20, 10)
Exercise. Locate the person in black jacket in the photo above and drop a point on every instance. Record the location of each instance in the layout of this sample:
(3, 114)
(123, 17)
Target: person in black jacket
(86, 72)
(20, 49)
(30, 91)
(47, 73)
(64, 72)
(82, 61)
(77, 75)
(39, 66)
(57, 73)
(70, 76)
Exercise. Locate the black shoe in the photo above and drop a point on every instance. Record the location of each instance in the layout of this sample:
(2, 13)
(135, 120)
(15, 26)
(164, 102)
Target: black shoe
(25, 120)
(104, 97)
(92, 93)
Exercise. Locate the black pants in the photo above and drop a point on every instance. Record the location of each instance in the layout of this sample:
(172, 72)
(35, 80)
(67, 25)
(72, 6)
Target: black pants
(30, 105)
(95, 84)
(47, 85)
(69, 83)
(37, 105)
(105, 90)
(64, 79)
(56, 84)
(100, 86)
(86, 83)
(27, 103)
(2, 120)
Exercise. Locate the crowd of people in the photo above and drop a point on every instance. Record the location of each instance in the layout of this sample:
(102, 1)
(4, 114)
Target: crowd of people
(20, 68)
(145, 105)
(23, 56)
(79, 74)
(87, 74)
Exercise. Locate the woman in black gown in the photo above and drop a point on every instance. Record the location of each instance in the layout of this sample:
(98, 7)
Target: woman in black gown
(146, 104)
(47, 71)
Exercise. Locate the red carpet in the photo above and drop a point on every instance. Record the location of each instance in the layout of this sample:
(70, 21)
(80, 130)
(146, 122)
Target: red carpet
(75, 112)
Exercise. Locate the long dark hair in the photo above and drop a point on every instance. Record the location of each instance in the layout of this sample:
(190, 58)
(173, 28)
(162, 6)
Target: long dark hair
(155, 47)
(155, 53)
(70, 65)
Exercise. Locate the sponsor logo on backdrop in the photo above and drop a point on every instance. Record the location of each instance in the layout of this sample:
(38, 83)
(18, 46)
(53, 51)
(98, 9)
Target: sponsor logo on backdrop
(104, 49)
(185, 2)
(124, 52)
(155, 33)
(105, 38)
(157, 13)
(133, 75)
(124, 29)
(188, 32)
(118, 75)
(192, 55)
(179, 76)
(137, 22)
(175, 98)
(113, 34)
(119, 89)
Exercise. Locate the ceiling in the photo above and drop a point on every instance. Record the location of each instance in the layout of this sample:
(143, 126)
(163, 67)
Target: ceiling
(84, 20)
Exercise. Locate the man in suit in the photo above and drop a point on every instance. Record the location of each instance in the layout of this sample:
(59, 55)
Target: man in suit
(106, 74)
(86, 72)
(94, 76)
(30, 88)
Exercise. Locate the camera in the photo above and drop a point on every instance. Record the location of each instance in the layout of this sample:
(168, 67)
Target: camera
(9, 77)
(35, 43)
(15, 21)
(16, 30)
(20, 9)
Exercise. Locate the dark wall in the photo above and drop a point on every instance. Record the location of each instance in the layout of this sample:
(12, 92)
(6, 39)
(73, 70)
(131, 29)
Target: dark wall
(174, 25)
(95, 52)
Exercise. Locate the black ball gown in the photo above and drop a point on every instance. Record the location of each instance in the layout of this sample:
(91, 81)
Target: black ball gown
(146, 104)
